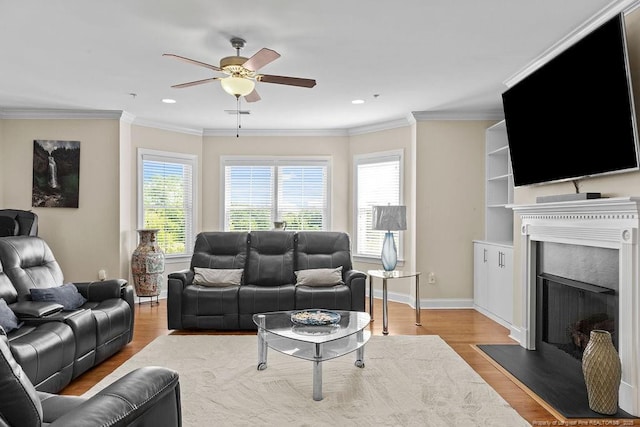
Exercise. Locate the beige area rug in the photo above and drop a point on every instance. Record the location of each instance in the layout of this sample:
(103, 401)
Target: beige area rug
(406, 381)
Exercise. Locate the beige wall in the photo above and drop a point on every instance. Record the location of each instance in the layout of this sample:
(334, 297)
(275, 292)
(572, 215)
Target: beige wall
(101, 232)
(378, 142)
(216, 146)
(86, 239)
(450, 200)
(161, 140)
(3, 170)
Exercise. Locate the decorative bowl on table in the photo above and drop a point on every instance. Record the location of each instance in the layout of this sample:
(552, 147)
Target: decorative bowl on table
(315, 317)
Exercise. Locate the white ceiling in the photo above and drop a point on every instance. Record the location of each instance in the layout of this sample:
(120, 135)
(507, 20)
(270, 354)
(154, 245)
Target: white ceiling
(441, 56)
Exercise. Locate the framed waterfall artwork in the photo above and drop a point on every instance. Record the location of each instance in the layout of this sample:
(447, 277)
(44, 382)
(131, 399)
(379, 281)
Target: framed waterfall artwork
(56, 174)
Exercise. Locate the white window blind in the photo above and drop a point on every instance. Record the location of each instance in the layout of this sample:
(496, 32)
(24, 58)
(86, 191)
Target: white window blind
(258, 192)
(378, 182)
(167, 197)
(248, 197)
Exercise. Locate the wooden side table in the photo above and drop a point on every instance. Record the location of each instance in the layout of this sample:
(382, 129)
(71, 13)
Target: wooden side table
(386, 275)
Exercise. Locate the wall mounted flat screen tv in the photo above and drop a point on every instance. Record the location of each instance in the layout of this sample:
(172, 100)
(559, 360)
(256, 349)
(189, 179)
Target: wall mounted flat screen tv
(574, 117)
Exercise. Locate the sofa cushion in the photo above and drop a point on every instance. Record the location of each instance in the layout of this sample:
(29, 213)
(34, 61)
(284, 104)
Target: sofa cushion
(20, 404)
(67, 295)
(217, 276)
(270, 261)
(320, 277)
(8, 226)
(8, 319)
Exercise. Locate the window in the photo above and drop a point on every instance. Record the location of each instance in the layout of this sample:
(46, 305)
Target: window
(258, 192)
(166, 198)
(378, 181)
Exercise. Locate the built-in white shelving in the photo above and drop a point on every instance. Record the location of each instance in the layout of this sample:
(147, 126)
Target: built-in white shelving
(493, 256)
(499, 186)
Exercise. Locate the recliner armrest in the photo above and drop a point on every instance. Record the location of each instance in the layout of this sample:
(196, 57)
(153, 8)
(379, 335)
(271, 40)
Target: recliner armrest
(151, 393)
(35, 309)
(184, 276)
(349, 275)
(101, 290)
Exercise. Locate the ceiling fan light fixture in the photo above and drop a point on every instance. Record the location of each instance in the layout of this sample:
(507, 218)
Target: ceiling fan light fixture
(237, 86)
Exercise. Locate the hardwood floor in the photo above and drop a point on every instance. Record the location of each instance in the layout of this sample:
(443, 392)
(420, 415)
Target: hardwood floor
(461, 329)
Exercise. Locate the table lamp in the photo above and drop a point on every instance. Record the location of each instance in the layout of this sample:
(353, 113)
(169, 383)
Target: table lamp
(389, 218)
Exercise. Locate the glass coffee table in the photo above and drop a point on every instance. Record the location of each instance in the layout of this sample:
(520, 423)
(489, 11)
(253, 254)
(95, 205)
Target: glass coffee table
(316, 343)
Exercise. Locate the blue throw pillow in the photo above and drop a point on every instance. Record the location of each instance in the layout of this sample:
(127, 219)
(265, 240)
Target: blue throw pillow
(8, 319)
(67, 295)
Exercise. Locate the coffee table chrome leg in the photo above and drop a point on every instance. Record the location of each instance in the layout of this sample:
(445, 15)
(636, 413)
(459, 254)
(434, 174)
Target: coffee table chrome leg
(371, 297)
(385, 313)
(360, 357)
(262, 344)
(317, 374)
(418, 323)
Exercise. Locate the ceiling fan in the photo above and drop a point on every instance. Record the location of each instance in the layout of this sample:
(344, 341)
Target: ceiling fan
(242, 73)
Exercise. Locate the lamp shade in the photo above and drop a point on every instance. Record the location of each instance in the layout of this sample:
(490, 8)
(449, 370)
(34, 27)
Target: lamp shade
(237, 86)
(389, 218)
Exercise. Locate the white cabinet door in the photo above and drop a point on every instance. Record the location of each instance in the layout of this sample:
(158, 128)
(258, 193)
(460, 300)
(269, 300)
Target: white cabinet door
(480, 275)
(493, 280)
(501, 282)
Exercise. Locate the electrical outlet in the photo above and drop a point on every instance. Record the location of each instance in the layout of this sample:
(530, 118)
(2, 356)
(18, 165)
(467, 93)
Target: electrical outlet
(102, 274)
(432, 278)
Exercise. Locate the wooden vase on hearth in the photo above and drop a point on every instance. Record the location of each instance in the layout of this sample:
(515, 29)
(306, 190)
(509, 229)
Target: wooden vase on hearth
(602, 372)
(147, 264)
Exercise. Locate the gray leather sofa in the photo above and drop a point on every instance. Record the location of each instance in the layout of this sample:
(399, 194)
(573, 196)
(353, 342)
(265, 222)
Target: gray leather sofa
(54, 345)
(269, 260)
(148, 396)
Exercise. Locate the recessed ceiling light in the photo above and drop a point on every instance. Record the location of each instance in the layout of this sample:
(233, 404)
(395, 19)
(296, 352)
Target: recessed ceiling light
(358, 101)
(169, 101)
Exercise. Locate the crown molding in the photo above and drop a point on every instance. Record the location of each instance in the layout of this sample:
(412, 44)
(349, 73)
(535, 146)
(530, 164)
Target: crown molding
(377, 127)
(606, 13)
(30, 113)
(458, 115)
(167, 127)
(125, 117)
(275, 132)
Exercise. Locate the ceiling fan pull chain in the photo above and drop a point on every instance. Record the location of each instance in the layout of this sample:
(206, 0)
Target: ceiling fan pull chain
(237, 116)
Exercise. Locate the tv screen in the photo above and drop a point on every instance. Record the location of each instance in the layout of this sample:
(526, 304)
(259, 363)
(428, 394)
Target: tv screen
(574, 116)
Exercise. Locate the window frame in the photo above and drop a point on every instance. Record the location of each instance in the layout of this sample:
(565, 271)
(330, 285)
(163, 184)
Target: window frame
(368, 158)
(170, 157)
(276, 161)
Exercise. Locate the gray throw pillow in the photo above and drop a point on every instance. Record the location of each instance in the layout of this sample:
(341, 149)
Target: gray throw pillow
(8, 319)
(320, 277)
(217, 276)
(67, 295)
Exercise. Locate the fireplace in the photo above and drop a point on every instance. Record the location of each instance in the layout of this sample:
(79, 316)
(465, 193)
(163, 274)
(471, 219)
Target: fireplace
(604, 290)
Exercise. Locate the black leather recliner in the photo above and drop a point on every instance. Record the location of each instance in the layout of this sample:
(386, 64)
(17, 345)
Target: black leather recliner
(17, 222)
(148, 396)
(89, 334)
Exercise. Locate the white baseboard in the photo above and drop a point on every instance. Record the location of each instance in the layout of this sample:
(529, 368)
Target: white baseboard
(431, 303)
(493, 317)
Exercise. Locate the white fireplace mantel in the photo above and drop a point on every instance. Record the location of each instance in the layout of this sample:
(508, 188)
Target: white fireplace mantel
(608, 223)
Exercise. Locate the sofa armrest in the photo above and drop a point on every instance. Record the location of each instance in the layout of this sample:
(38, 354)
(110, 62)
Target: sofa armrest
(101, 290)
(356, 280)
(185, 277)
(145, 396)
(35, 309)
(176, 282)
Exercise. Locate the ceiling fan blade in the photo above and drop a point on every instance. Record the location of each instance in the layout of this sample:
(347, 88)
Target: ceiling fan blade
(193, 61)
(197, 82)
(252, 97)
(260, 59)
(282, 80)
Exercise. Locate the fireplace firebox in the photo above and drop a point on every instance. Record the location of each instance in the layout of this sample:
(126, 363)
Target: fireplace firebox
(569, 310)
